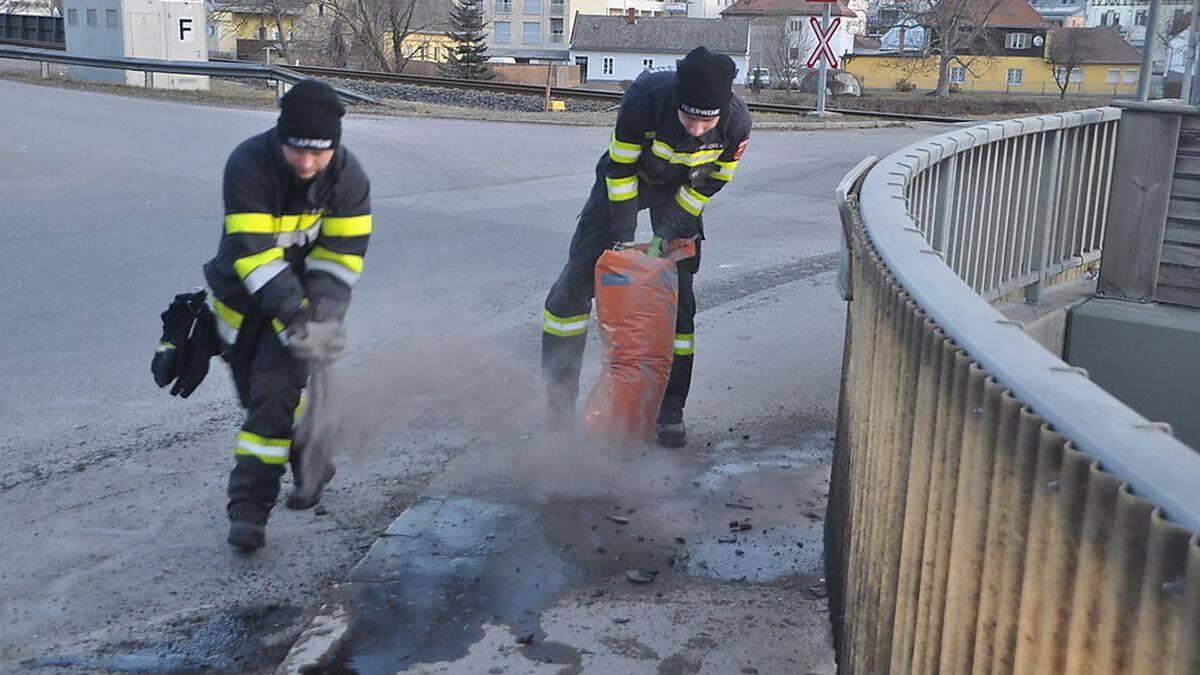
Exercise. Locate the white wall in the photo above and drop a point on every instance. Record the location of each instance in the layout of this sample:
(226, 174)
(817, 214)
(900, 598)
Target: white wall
(764, 35)
(628, 65)
(707, 9)
(1127, 10)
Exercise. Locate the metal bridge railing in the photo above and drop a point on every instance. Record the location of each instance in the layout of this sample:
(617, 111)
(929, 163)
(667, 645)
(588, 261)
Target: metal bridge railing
(992, 509)
(150, 66)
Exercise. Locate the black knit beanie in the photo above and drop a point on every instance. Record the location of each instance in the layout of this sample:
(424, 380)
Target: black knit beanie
(310, 116)
(704, 82)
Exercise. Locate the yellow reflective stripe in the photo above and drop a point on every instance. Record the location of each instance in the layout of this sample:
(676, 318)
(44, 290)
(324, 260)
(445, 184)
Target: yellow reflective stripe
(250, 223)
(244, 266)
(622, 152)
(693, 202)
(622, 189)
(268, 450)
(265, 223)
(346, 226)
(685, 343)
(354, 263)
(564, 326)
(227, 314)
(724, 171)
(664, 151)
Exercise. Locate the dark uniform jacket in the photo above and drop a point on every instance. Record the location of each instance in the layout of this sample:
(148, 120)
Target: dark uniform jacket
(288, 249)
(650, 146)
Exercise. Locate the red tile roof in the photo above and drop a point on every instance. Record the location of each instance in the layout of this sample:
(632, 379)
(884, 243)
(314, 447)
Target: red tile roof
(1100, 44)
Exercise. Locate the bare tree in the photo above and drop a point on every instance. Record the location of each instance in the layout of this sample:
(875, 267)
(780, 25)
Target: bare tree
(780, 49)
(378, 28)
(956, 34)
(1066, 51)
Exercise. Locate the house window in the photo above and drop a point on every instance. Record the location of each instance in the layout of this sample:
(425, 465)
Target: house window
(608, 65)
(110, 18)
(91, 18)
(531, 32)
(558, 7)
(1139, 17)
(1019, 40)
(556, 31)
(72, 17)
(1131, 76)
(320, 9)
(502, 32)
(1060, 75)
(1114, 76)
(958, 75)
(503, 7)
(262, 32)
(889, 17)
(533, 6)
(795, 24)
(647, 64)
(1016, 76)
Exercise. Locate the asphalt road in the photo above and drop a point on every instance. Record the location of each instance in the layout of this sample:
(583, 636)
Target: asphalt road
(111, 492)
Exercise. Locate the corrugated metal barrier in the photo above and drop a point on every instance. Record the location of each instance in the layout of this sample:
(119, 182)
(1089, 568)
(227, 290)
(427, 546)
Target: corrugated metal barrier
(992, 510)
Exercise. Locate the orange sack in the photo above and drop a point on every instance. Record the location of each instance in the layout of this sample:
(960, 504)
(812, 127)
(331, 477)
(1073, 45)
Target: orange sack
(637, 297)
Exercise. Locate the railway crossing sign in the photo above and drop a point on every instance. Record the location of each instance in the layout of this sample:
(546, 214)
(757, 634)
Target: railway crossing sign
(824, 35)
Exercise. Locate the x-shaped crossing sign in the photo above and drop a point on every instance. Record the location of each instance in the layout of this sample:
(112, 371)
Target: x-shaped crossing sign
(823, 38)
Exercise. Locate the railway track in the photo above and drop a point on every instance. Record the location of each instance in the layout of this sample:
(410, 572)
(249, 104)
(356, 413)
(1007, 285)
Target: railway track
(582, 93)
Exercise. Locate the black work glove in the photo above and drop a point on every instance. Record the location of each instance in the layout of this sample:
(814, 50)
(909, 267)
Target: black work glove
(202, 345)
(177, 324)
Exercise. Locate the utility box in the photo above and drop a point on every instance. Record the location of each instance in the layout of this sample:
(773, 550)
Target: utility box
(170, 30)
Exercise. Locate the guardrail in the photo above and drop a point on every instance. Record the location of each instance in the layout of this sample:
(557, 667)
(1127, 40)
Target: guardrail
(229, 69)
(991, 508)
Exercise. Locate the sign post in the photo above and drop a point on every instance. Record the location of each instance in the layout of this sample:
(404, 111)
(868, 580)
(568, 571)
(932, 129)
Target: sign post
(823, 54)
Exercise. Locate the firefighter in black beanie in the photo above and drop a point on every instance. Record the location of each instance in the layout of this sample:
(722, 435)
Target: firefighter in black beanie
(297, 221)
(678, 139)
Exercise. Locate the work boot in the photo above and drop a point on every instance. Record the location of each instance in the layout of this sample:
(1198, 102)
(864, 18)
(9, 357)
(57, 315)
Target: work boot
(669, 432)
(297, 500)
(248, 525)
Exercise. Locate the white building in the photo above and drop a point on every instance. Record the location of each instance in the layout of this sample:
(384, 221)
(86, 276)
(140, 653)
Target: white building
(616, 48)
(538, 30)
(146, 29)
(1129, 18)
(782, 36)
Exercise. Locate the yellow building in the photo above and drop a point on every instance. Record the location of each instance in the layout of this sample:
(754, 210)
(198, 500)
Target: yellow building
(1090, 61)
(427, 46)
(428, 39)
(241, 31)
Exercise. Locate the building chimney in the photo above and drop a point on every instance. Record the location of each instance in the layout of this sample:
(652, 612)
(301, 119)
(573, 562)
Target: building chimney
(631, 16)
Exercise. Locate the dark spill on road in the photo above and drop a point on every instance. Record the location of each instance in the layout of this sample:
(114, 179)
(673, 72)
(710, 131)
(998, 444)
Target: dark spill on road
(228, 642)
(448, 566)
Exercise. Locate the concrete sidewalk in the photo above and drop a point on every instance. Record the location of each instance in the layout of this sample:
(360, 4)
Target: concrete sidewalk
(516, 560)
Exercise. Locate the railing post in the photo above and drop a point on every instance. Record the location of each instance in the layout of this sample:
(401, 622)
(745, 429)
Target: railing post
(1044, 212)
(45, 70)
(939, 232)
(1147, 142)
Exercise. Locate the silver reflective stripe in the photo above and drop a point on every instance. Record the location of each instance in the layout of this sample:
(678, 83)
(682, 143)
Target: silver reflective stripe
(298, 237)
(683, 344)
(618, 190)
(277, 451)
(264, 273)
(564, 327)
(347, 275)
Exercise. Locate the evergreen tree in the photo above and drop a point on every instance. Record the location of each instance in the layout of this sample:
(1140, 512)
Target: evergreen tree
(467, 60)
